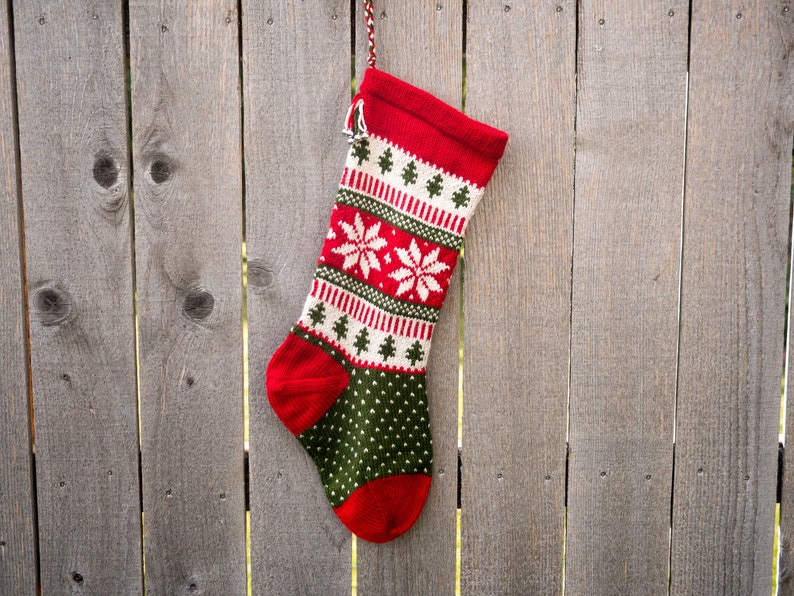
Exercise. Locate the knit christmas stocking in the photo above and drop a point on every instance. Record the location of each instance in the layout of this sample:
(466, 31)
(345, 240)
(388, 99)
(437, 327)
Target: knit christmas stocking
(349, 381)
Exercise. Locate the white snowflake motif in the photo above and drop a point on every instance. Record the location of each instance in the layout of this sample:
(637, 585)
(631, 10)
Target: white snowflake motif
(419, 271)
(362, 246)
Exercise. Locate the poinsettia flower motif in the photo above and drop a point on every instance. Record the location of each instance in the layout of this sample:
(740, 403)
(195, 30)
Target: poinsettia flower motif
(362, 246)
(419, 271)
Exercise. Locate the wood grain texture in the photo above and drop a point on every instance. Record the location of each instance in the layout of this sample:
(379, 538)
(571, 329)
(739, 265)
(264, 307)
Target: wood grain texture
(421, 43)
(520, 78)
(188, 231)
(296, 73)
(631, 101)
(17, 530)
(786, 546)
(736, 210)
(785, 81)
(75, 185)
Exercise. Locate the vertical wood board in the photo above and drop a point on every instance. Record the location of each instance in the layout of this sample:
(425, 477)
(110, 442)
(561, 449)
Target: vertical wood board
(631, 99)
(17, 530)
(75, 186)
(736, 212)
(785, 577)
(421, 43)
(188, 230)
(519, 77)
(296, 74)
(785, 80)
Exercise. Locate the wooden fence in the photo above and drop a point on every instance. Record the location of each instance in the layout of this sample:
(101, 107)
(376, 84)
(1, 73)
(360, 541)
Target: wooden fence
(623, 306)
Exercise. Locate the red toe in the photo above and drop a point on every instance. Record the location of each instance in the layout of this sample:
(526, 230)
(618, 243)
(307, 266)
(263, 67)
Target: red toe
(384, 508)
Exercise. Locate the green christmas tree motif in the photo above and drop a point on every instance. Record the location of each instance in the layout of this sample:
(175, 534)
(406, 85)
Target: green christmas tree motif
(385, 161)
(361, 151)
(362, 341)
(387, 348)
(317, 314)
(409, 173)
(461, 197)
(340, 328)
(434, 186)
(415, 353)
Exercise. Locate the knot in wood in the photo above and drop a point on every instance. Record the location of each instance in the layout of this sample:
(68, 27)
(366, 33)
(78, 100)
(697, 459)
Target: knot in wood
(259, 276)
(198, 304)
(53, 306)
(106, 171)
(160, 170)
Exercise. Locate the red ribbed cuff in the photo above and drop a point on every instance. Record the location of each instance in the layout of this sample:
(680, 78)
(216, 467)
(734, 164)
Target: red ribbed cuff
(434, 131)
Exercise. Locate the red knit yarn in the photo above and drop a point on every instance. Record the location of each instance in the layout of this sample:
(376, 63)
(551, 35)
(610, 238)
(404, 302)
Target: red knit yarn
(385, 508)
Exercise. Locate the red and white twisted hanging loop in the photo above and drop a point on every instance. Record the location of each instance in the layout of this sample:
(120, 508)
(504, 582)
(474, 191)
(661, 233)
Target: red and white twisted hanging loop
(368, 8)
(355, 126)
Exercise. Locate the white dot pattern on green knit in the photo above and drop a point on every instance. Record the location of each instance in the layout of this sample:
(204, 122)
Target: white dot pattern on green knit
(378, 427)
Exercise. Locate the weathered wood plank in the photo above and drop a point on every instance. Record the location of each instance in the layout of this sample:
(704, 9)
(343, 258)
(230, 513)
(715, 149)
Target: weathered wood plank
(736, 208)
(421, 43)
(188, 230)
(631, 100)
(296, 72)
(520, 77)
(786, 547)
(17, 530)
(75, 185)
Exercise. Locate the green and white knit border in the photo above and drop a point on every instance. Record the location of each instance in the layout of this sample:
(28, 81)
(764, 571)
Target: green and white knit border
(374, 296)
(363, 345)
(400, 220)
(391, 165)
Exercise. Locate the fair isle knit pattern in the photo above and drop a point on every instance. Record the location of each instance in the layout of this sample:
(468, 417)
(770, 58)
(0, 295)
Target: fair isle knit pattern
(380, 169)
(349, 380)
(379, 284)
